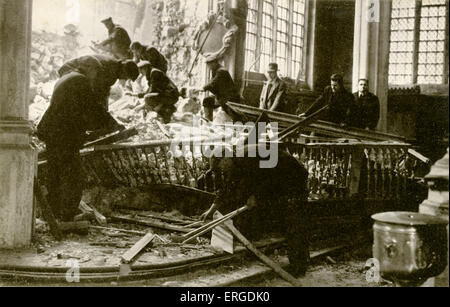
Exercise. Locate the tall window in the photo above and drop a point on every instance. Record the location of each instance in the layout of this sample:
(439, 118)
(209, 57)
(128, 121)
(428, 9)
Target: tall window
(276, 33)
(419, 42)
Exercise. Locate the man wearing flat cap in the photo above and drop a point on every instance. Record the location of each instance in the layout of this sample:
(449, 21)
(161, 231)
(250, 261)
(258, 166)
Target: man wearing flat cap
(274, 90)
(224, 90)
(118, 41)
(150, 54)
(339, 100)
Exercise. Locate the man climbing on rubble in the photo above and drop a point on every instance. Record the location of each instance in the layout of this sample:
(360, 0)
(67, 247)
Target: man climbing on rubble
(162, 93)
(149, 54)
(74, 110)
(102, 71)
(276, 196)
(118, 41)
(223, 89)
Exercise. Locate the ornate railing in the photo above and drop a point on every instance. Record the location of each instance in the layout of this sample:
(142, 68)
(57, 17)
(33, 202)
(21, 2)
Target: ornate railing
(336, 170)
(370, 170)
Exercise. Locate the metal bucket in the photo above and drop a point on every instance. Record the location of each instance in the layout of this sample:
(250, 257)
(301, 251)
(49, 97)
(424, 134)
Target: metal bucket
(410, 247)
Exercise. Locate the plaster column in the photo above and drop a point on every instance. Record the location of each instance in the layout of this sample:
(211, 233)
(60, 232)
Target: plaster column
(237, 12)
(437, 203)
(17, 157)
(371, 50)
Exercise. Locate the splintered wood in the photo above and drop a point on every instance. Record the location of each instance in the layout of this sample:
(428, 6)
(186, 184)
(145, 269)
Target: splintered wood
(137, 248)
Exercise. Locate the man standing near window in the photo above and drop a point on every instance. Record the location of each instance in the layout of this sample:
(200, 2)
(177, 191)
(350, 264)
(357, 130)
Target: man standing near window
(340, 102)
(366, 111)
(274, 90)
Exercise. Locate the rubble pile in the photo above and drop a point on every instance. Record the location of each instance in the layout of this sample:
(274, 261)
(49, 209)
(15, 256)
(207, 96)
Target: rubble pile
(175, 24)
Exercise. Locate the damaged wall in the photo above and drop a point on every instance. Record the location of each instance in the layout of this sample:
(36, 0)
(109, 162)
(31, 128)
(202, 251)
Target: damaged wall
(170, 26)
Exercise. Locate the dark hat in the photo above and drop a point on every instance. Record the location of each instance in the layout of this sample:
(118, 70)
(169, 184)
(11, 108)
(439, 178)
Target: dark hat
(107, 20)
(273, 67)
(135, 45)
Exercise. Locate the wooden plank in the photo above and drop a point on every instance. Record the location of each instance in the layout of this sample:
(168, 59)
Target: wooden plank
(137, 248)
(133, 232)
(113, 137)
(320, 126)
(418, 156)
(158, 217)
(266, 260)
(40, 193)
(85, 208)
(160, 225)
(207, 227)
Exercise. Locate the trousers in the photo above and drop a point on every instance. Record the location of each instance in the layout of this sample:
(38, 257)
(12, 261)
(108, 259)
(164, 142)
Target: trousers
(64, 181)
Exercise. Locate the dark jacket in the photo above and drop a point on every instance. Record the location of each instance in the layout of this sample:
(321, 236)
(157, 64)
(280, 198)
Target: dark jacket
(223, 87)
(105, 69)
(72, 111)
(158, 82)
(340, 105)
(274, 99)
(365, 112)
(119, 42)
(156, 59)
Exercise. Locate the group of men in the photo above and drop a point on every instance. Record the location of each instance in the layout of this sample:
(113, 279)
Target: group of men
(359, 110)
(79, 104)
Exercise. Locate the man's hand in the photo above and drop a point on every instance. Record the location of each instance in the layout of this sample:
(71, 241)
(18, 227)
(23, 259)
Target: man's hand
(209, 213)
(251, 202)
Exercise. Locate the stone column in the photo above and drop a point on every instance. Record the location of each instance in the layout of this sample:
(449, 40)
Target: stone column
(237, 11)
(437, 203)
(371, 50)
(17, 157)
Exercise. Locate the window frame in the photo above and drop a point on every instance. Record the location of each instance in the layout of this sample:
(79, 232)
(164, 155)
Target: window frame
(299, 76)
(416, 44)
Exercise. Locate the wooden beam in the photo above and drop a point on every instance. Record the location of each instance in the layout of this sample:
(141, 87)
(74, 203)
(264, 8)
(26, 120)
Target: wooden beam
(160, 225)
(266, 260)
(85, 208)
(322, 127)
(137, 248)
(133, 232)
(40, 193)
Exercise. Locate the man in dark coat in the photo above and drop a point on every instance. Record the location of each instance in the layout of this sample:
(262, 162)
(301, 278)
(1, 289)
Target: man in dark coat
(149, 54)
(339, 101)
(162, 93)
(223, 88)
(73, 111)
(274, 91)
(102, 72)
(366, 110)
(277, 197)
(118, 41)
